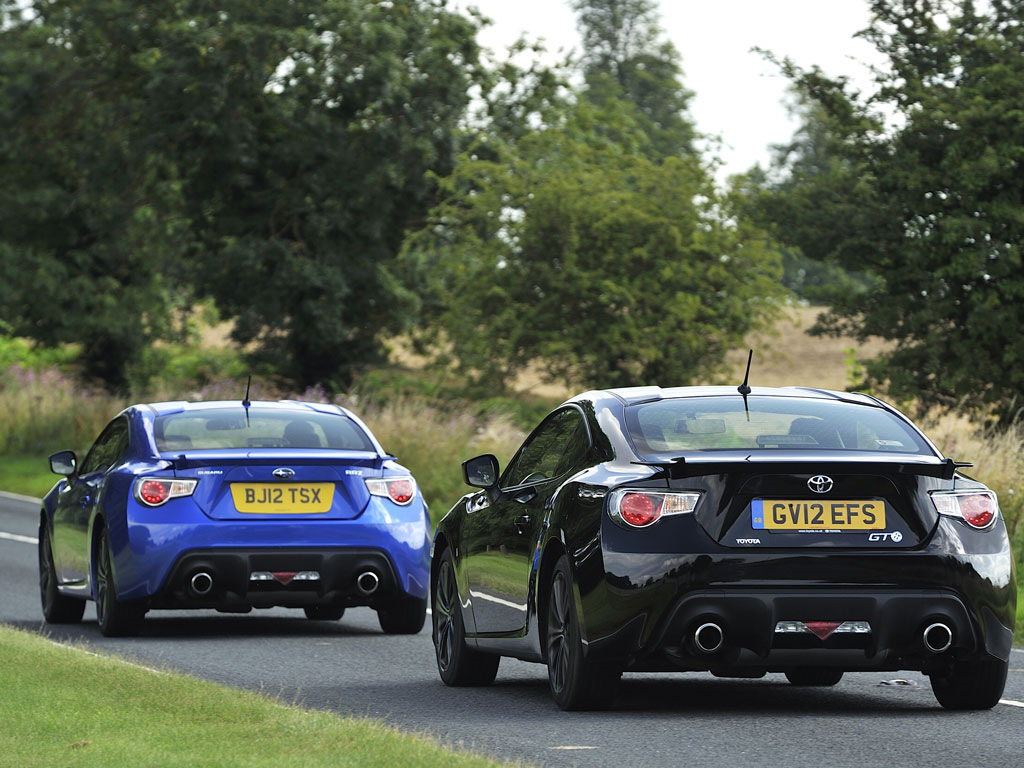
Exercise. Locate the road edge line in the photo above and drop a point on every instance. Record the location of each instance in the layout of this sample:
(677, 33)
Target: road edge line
(20, 497)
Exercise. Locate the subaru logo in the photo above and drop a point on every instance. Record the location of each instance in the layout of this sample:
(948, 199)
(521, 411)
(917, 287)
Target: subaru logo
(284, 473)
(820, 483)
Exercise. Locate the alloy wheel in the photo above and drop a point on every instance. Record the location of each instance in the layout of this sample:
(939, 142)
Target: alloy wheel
(445, 605)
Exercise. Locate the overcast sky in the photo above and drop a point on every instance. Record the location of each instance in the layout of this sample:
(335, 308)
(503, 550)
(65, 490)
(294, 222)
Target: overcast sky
(738, 95)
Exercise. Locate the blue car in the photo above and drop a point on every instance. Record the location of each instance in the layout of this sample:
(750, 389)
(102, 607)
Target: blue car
(234, 506)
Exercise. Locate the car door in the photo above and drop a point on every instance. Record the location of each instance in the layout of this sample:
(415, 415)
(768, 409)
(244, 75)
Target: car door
(76, 504)
(501, 543)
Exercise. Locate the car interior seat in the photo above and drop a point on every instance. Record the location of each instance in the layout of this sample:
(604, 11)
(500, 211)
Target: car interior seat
(300, 434)
(822, 433)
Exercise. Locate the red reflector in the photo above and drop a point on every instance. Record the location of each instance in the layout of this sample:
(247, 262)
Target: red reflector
(977, 509)
(400, 491)
(822, 628)
(284, 577)
(154, 492)
(640, 509)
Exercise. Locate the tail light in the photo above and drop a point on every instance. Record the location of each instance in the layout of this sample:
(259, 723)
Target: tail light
(640, 508)
(978, 508)
(156, 491)
(400, 490)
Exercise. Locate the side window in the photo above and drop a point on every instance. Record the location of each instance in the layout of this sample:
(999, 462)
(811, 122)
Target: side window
(576, 451)
(108, 448)
(553, 449)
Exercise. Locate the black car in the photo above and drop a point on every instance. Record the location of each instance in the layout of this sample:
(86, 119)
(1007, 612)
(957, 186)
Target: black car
(789, 530)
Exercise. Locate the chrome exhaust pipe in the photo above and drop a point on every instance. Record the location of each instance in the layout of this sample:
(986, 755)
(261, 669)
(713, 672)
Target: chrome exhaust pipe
(201, 583)
(937, 637)
(708, 638)
(368, 581)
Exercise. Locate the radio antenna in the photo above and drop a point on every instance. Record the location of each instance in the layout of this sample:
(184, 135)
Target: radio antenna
(246, 402)
(744, 388)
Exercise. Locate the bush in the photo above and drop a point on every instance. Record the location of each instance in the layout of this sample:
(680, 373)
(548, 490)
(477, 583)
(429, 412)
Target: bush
(433, 441)
(997, 453)
(45, 410)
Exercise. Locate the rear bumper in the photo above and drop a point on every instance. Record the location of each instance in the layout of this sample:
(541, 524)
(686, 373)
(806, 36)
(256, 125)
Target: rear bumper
(293, 578)
(160, 546)
(750, 638)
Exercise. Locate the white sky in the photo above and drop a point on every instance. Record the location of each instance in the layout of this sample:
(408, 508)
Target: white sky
(738, 95)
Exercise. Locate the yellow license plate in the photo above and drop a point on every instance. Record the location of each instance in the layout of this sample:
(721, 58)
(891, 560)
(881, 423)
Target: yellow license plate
(824, 515)
(282, 498)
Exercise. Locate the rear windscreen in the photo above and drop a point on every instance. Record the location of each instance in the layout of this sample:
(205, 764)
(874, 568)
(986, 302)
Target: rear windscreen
(220, 428)
(772, 423)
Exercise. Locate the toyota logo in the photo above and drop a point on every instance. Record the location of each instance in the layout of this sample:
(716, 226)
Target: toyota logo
(820, 483)
(284, 473)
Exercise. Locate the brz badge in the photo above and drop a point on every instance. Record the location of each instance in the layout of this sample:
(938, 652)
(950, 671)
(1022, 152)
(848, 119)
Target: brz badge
(283, 473)
(748, 541)
(820, 483)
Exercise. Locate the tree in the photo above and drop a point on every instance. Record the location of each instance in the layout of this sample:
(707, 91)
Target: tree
(593, 261)
(269, 155)
(624, 58)
(923, 189)
(87, 203)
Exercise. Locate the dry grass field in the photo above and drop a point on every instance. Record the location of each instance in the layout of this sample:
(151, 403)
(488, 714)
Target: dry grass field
(790, 356)
(785, 356)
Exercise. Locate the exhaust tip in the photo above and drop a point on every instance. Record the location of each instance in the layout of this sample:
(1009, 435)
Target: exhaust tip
(201, 583)
(708, 638)
(937, 637)
(368, 581)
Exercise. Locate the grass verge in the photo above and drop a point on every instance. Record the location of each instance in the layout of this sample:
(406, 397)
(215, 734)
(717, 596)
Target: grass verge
(28, 475)
(63, 706)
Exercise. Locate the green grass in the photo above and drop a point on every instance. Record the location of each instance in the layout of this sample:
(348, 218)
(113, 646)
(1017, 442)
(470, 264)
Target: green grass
(64, 707)
(29, 475)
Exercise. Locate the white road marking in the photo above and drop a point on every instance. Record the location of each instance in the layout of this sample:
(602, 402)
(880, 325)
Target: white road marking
(572, 747)
(19, 497)
(1012, 703)
(498, 600)
(116, 659)
(16, 537)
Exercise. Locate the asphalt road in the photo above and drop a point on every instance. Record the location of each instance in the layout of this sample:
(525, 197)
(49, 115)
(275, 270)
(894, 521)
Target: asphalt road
(660, 720)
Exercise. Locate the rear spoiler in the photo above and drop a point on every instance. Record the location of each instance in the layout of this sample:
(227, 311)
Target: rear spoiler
(679, 466)
(206, 458)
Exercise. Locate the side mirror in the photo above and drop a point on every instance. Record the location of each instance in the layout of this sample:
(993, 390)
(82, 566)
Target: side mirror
(64, 463)
(481, 471)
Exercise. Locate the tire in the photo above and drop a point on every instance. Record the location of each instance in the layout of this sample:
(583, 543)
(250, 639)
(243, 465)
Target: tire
(116, 618)
(405, 616)
(457, 663)
(814, 676)
(324, 612)
(575, 682)
(971, 685)
(57, 608)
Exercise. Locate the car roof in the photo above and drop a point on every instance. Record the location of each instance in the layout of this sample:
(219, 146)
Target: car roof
(183, 406)
(636, 395)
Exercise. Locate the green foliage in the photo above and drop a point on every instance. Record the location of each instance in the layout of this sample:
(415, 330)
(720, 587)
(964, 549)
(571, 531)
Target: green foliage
(267, 154)
(24, 354)
(87, 199)
(928, 202)
(625, 59)
(177, 369)
(597, 263)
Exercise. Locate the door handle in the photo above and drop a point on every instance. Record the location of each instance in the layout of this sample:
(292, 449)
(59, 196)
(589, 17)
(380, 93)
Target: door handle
(521, 523)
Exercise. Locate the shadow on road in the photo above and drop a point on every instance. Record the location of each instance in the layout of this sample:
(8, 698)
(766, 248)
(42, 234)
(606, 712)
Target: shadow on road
(210, 627)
